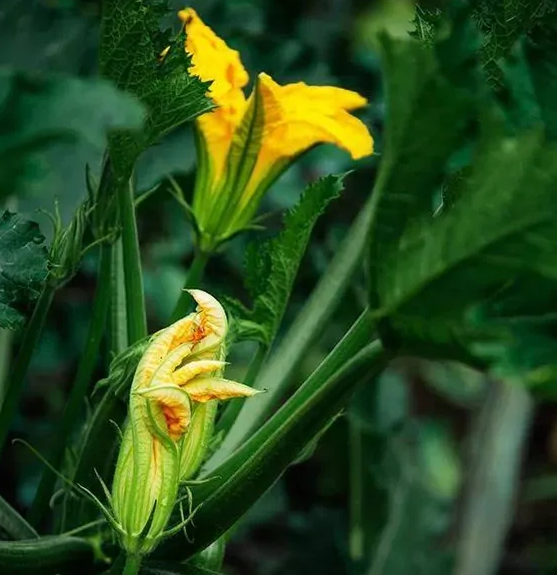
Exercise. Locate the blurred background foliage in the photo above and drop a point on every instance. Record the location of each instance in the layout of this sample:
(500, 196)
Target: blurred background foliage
(383, 492)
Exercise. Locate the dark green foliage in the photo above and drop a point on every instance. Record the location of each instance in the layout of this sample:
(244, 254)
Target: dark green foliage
(271, 267)
(130, 55)
(23, 264)
(431, 269)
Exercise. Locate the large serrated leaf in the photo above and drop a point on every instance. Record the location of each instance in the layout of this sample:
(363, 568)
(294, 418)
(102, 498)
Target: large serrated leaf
(131, 56)
(433, 269)
(271, 267)
(37, 111)
(431, 97)
(23, 268)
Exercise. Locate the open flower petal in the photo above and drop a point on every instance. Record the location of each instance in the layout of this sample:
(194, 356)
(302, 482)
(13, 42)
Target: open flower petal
(204, 389)
(213, 60)
(298, 117)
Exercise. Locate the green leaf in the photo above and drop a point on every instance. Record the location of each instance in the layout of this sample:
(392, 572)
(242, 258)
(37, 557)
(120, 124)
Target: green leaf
(426, 23)
(271, 267)
(431, 94)
(23, 261)
(433, 268)
(38, 111)
(130, 56)
(13, 523)
(502, 227)
(503, 23)
(541, 53)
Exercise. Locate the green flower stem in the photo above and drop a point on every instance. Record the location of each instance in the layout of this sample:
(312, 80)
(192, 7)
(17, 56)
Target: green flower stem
(133, 278)
(83, 376)
(131, 567)
(234, 406)
(117, 324)
(309, 323)
(193, 280)
(31, 336)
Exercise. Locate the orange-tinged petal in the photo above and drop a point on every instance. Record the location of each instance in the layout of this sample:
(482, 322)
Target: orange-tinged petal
(162, 343)
(212, 315)
(204, 389)
(190, 370)
(213, 60)
(175, 406)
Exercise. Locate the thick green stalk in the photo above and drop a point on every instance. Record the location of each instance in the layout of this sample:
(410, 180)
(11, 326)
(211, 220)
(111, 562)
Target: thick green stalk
(131, 567)
(83, 377)
(133, 278)
(31, 336)
(195, 274)
(234, 406)
(233, 487)
(276, 376)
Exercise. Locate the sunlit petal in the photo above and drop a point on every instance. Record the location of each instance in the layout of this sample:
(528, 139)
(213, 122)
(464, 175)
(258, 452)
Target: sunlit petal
(190, 370)
(213, 60)
(204, 389)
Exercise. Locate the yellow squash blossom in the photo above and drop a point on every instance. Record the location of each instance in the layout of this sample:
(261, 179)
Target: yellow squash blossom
(176, 380)
(246, 143)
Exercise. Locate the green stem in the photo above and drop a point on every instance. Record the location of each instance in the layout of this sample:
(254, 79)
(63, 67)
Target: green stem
(358, 335)
(131, 567)
(133, 279)
(74, 405)
(118, 329)
(193, 280)
(276, 376)
(31, 336)
(234, 406)
(356, 533)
